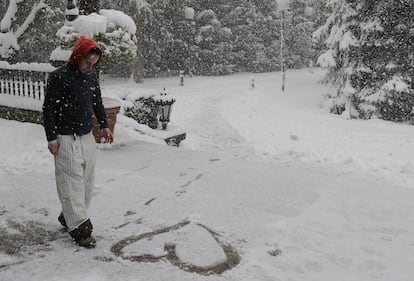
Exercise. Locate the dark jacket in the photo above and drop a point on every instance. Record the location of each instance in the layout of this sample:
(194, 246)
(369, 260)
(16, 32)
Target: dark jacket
(70, 101)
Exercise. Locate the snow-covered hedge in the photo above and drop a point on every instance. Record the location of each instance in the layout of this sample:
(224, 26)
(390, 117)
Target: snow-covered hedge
(144, 111)
(113, 30)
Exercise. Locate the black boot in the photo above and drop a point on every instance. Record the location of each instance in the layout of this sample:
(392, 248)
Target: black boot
(62, 220)
(82, 235)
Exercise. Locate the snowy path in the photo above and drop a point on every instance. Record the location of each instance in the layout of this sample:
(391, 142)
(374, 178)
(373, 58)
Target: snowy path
(213, 132)
(199, 113)
(225, 115)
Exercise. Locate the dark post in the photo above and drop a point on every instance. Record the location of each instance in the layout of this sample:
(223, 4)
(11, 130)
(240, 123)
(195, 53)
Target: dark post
(181, 77)
(282, 50)
(139, 60)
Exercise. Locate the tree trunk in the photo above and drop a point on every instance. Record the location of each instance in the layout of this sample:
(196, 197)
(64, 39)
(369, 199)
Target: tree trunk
(138, 68)
(87, 7)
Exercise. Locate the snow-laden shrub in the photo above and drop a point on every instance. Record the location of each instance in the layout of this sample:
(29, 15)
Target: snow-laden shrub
(113, 30)
(398, 100)
(144, 111)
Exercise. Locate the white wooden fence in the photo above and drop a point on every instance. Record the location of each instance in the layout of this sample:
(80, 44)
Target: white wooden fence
(25, 80)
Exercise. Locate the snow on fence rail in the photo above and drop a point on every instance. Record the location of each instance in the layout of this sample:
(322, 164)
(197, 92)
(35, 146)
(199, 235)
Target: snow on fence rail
(23, 79)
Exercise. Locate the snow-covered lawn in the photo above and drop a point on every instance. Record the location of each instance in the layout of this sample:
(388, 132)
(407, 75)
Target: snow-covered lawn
(266, 186)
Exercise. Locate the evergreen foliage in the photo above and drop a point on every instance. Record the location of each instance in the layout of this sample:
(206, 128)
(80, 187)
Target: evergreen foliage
(370, 58)
(222, 38)
(87, 7)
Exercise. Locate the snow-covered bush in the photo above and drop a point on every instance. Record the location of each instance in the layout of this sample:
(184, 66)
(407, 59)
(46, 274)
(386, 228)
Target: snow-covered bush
(144, 111)
(113, 30)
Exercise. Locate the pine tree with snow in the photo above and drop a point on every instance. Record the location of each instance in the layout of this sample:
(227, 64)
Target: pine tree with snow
(298, 35)
(248, 49)
(223, 37)
(213, 43)
(369, 58)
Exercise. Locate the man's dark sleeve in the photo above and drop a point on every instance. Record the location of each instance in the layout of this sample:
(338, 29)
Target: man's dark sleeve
(50, 106)
(98, 107)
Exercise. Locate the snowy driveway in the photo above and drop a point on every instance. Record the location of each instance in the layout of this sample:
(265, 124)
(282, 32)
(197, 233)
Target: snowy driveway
(283, 222)
(265, 187)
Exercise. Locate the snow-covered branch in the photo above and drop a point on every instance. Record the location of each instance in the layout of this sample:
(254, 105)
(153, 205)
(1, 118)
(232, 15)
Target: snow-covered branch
(8, 37)
(30, 18)
(5, 23)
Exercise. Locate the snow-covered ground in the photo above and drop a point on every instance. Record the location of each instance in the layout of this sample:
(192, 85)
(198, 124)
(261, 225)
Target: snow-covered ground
(267, 186)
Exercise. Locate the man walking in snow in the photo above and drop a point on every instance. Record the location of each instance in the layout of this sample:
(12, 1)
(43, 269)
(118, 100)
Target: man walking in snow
(72, 96)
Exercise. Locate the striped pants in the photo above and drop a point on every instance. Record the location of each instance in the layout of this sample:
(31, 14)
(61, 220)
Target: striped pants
(75, 177)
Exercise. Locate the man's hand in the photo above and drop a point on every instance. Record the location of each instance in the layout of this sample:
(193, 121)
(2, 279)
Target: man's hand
(53, 148)
(107, 135)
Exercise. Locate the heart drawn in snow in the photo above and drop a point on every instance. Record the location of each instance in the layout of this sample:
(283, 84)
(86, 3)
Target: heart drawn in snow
(230, 257)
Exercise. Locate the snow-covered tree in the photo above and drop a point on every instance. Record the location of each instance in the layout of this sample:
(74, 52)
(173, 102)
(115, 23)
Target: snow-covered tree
(141, 13)
(299, 29)
(247, 25)
(213, 45)
(223, 37)
(113, 30)
(369, 58)
(320, 11)
(174, 34)
(17, 19)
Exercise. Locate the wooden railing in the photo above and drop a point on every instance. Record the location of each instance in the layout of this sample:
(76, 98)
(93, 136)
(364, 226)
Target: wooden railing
(24, 80)
(23, 83)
